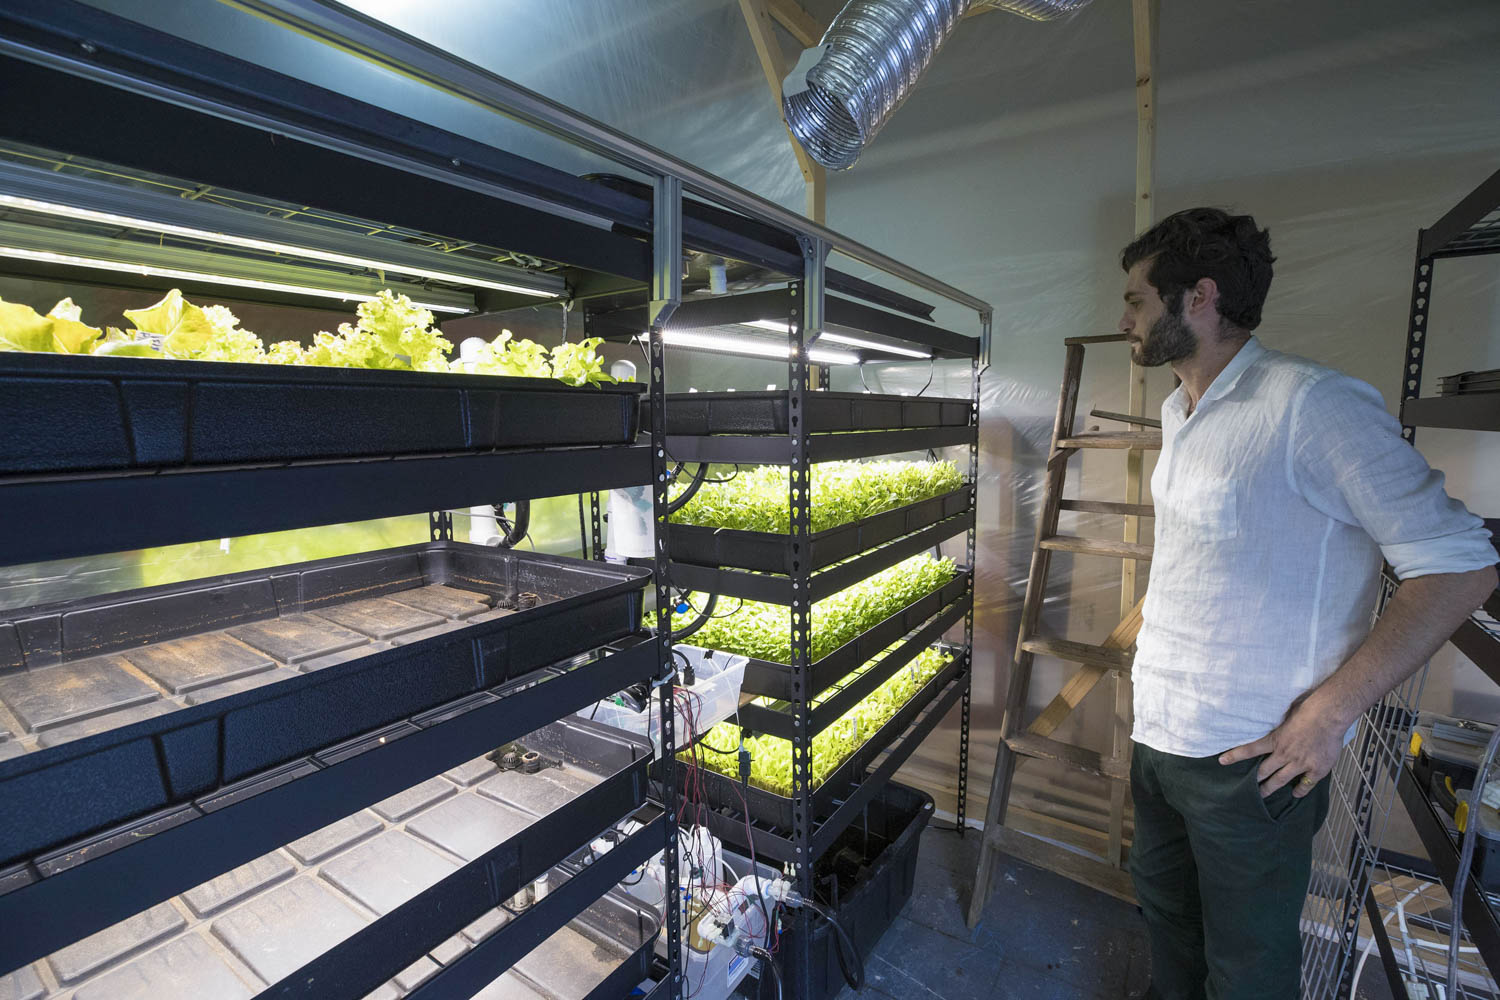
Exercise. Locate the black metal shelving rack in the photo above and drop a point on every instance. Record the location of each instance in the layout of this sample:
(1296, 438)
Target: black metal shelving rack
(95, 78)
(274, 136)
(1471, 228)
(798, 427)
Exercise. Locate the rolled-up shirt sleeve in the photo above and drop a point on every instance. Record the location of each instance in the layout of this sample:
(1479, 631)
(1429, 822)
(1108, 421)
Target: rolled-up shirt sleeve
(1346, 457)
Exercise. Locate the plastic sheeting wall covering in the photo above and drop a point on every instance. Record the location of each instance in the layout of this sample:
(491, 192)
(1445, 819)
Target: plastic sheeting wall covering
(1009, 173)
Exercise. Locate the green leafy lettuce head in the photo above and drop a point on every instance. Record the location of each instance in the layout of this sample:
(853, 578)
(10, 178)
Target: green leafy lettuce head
(183, 328)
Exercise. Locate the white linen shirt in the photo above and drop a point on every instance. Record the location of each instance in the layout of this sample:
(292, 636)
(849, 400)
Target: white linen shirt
(1275, 501)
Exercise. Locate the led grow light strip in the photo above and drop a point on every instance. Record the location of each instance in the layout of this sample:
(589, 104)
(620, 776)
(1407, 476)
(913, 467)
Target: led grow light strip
(839, 338)
(746, 345)
(251, 243)
(49, 257)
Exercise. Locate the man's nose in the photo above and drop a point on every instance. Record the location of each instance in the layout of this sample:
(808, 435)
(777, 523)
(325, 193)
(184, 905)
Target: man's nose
(1125, 325)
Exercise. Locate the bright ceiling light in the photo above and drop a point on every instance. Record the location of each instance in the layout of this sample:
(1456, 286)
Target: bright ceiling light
(269, 246)
(839, 338)
(48, 257)
(751, 346)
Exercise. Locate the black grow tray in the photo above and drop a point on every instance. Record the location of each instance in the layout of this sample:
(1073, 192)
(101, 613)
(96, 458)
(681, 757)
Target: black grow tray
(157, 696)
(504, 828)
(84, 413)
(774, 679)
(771, 552)
(720, 792)
(765, 412)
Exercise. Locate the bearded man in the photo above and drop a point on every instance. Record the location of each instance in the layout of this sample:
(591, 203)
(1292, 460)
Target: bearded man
(1280, 487)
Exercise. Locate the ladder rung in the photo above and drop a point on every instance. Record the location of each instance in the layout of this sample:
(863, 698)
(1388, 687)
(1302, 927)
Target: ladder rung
(1126, 418)
(1113, 439)
(1108, 507)
(1081, 652)
(1089, 761)
(1097, 547)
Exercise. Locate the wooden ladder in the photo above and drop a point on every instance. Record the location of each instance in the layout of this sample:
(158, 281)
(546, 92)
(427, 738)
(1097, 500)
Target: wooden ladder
(1110, 658)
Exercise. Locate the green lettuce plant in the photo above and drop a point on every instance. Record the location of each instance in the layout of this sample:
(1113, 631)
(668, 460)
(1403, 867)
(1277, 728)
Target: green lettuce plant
(390, 332)
(771, 756)
(764, 631)
(757, 499)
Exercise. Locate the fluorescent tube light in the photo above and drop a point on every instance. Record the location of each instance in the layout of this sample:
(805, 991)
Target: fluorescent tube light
(269, 246)
(751, 346)
(839, 338)
(48, 257)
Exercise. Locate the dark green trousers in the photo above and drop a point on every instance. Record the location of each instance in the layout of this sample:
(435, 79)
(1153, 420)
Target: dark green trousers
(1221, 875)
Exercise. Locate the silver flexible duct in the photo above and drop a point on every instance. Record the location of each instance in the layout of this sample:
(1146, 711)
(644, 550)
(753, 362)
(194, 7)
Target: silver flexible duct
(872, 56)
(1036, 10)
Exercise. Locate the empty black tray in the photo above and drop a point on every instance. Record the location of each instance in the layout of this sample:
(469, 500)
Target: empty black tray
(770, 552)
(765, 412)
(508, 826)
(157, 696)
(83, 413)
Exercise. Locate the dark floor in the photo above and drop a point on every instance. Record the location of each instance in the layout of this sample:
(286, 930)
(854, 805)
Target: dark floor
(1042, 936)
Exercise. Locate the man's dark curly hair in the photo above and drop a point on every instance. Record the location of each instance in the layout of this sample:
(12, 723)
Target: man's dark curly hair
(1208, 243)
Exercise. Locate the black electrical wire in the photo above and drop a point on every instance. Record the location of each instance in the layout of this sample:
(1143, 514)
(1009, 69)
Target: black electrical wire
(855, 977)
(698, 622)
(727, 614)
(767, 961)
(731, 478)
(931, 367)
(760, 895)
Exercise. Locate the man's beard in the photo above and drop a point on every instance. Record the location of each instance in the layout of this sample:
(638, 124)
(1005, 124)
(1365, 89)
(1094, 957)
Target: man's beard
(1168, 341)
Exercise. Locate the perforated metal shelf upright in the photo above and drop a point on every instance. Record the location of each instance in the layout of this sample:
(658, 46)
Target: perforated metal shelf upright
(796, 428)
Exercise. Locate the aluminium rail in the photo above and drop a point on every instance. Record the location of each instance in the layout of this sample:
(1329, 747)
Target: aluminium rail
(367, 38)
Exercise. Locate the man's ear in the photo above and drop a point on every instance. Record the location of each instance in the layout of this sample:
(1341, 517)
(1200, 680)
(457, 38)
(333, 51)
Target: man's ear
(1203, 301)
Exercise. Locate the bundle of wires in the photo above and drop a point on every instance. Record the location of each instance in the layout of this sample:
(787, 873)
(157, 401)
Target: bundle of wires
(693, 810)
(694, 806)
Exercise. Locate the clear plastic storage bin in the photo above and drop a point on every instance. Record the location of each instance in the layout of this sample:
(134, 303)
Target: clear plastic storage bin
(714, 696)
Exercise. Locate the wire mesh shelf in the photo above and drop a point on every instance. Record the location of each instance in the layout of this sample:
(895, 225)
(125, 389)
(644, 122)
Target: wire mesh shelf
(1481, 237)
(1362, 795)
(1415, 914)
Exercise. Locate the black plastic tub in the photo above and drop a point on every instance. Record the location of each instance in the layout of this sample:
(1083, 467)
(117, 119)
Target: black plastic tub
(158, 696)
(771, 552)
(775, 680)
(867, 879)
(720, 792)
(83, 413)
(765, 412)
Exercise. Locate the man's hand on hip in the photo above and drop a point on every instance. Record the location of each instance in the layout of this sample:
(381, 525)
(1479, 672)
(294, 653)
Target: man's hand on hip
(1303, 749)
(1422, 614)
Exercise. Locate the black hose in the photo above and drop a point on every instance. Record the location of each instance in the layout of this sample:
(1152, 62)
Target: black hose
(855, 977)
(693, 486)
(513, 529)
(703, 616)
(767, 961)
